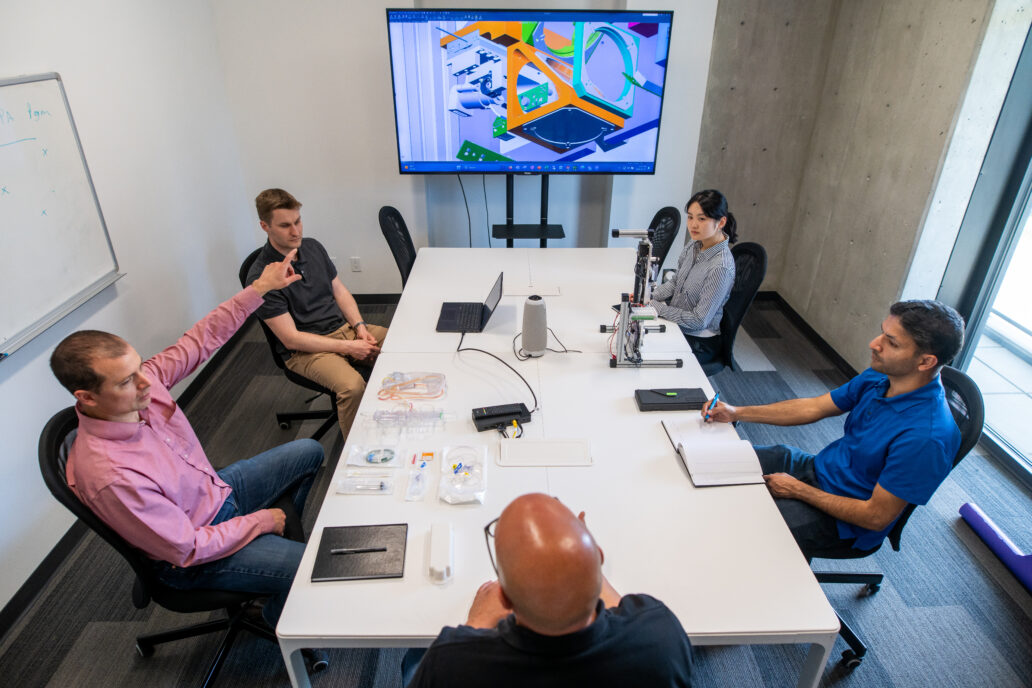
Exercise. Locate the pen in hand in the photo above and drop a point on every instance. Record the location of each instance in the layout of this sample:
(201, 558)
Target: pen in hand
(356, 550)
(712, 404)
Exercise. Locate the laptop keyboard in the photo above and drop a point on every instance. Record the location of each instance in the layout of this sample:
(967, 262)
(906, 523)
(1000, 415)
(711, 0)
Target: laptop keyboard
(469, 317)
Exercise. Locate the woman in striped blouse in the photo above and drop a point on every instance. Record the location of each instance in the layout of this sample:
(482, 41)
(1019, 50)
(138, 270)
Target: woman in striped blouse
(695, 298)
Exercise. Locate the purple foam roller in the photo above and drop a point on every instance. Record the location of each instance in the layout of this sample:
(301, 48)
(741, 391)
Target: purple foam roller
(1019, 563)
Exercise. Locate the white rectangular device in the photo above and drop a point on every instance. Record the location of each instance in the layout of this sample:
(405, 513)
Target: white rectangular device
(442, 565)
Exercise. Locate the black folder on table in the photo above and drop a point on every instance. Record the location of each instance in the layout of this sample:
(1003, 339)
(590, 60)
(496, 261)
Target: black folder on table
(345, 552)
(670, 399)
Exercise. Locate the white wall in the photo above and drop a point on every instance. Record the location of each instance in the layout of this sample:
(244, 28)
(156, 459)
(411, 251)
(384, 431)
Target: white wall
(148, 100)
(186, 110)
(309, 88)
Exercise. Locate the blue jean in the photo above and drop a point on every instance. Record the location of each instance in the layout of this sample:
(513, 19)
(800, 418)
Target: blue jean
(814, 531)
(268, 563)
(706, 349)
(410, 664)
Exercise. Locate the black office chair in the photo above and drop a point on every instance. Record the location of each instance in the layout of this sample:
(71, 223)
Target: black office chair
(399, 240)
(54, 443)
(965, 402)
(750, 269)
(665, 224)
(284, 418)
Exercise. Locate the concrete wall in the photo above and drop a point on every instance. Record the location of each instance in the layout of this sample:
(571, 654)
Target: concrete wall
(761, 104)
(883, 110)
(990, 79)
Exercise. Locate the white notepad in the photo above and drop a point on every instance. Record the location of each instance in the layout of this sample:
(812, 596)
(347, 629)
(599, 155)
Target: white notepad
(528, 452)
(711, 463)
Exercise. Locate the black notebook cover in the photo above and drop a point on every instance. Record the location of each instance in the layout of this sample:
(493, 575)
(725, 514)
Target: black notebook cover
(682, 399)
(387, 564)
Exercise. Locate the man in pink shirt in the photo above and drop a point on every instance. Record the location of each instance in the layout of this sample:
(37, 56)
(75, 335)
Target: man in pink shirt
(138, 465)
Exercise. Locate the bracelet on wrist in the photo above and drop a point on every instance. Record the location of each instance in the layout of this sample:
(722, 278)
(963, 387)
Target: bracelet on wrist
(358, 324)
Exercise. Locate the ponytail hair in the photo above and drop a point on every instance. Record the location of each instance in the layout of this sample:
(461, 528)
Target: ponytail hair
(714, 205)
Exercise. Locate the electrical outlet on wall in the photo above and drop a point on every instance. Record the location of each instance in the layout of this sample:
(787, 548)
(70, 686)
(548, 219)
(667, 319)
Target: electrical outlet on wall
(356, 264)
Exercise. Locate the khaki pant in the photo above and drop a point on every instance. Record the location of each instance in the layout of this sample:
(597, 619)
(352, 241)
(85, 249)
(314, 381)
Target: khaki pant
(334, 371)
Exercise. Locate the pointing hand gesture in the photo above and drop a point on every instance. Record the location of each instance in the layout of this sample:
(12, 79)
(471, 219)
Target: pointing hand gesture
(277, 275)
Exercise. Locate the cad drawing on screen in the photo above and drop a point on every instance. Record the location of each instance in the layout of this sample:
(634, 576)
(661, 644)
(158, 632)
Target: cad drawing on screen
(528, 91)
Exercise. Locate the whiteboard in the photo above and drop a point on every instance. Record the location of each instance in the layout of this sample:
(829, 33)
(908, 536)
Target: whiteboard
(56, 253)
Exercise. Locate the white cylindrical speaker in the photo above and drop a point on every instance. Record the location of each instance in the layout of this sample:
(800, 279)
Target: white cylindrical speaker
(535, 330)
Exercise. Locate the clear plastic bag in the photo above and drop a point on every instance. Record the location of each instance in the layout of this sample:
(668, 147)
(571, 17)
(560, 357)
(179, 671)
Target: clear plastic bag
(416, 385)
(418, 478)
(364, 482)
(463, 478)
(378, 455)
(408, 417)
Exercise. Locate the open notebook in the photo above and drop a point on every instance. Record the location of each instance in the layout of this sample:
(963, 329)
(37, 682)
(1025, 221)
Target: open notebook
(711, 462)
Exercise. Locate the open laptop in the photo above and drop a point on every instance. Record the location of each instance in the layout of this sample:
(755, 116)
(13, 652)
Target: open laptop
(470, 316)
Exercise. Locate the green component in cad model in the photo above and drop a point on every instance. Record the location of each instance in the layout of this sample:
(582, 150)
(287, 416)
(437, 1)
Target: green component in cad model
(471, 152)
(500, 127)
(534, 98)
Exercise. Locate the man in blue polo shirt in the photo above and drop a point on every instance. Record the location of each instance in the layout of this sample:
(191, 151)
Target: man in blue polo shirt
(899, 444)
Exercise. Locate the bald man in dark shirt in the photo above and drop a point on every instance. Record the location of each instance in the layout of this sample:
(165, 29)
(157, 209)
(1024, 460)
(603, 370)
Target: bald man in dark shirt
(552, 618)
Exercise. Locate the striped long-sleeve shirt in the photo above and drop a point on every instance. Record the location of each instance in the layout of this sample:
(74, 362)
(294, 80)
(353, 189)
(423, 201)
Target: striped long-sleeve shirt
(695, 298)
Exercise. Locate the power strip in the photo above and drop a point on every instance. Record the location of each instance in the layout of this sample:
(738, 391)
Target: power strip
(493, 417)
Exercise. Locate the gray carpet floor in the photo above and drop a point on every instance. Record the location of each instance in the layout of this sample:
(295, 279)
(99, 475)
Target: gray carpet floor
(949, 613)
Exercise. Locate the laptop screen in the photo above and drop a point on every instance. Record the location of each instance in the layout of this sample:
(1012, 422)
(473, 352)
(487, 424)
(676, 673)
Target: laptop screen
(495, 296)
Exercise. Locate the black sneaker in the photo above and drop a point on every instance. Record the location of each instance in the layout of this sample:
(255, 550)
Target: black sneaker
(253, 613)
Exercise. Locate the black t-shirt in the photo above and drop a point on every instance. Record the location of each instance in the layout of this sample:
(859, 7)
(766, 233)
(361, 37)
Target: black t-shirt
(638, 643)
(309, 300)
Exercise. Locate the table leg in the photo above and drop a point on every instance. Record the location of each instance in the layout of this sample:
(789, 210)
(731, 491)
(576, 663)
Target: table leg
(816, 659)
(296, 670)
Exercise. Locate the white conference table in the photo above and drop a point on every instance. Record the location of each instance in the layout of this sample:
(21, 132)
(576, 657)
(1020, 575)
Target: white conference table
(589, 282)
(721, 558)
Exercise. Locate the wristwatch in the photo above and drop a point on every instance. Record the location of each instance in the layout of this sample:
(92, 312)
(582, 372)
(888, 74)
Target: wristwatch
(356, 325)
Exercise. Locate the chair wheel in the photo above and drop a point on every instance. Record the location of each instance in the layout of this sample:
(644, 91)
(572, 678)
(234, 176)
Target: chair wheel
(850, 661)
(315, 660)
(144, 649)
(284, 425)
(872, 588)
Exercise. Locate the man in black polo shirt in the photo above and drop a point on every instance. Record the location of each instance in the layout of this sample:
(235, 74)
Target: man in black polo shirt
(551, 618)
(316, 318)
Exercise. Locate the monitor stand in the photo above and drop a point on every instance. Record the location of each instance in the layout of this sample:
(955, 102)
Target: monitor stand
(542, 231)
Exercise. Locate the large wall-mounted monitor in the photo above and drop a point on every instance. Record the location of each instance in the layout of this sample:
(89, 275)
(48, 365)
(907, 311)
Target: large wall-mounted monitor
(528, 91)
